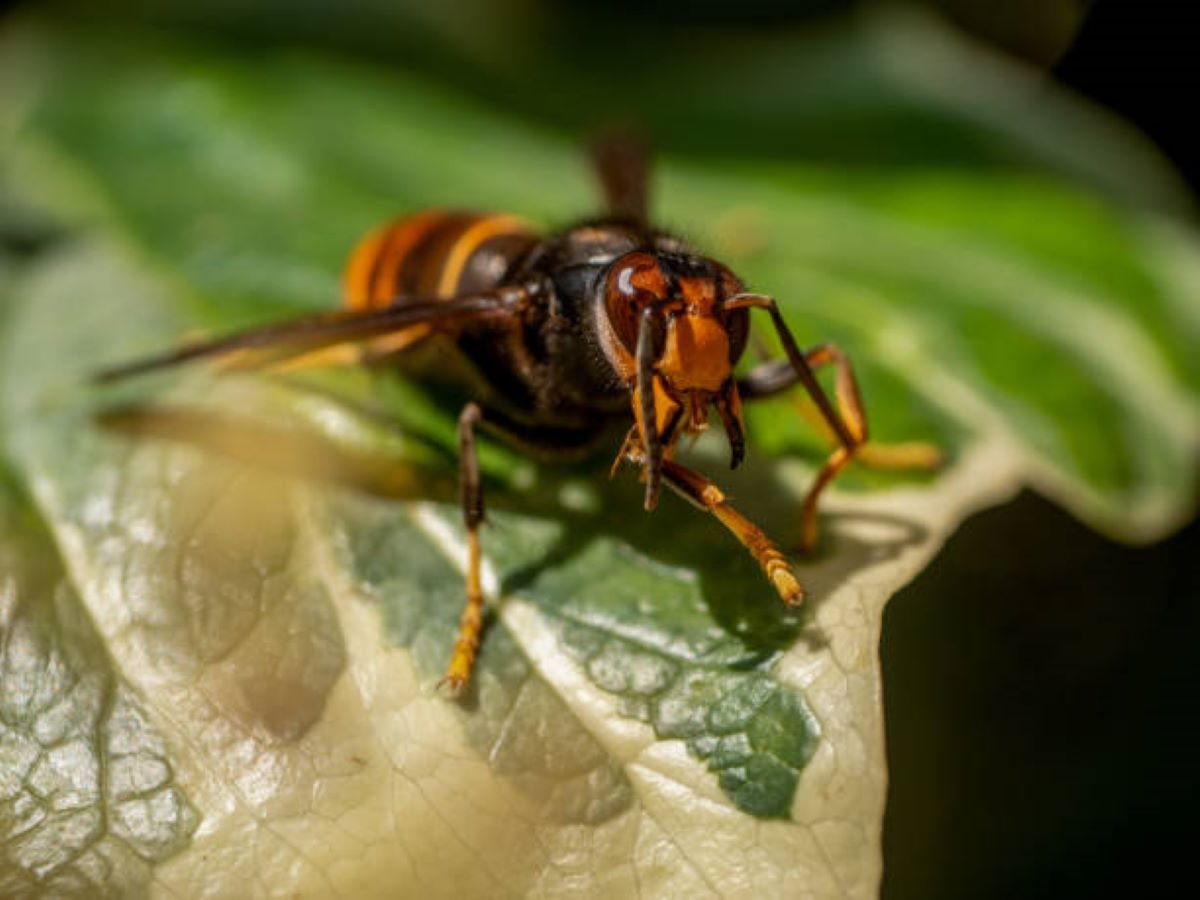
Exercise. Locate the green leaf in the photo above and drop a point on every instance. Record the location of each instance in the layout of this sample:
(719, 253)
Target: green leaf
(645, 715)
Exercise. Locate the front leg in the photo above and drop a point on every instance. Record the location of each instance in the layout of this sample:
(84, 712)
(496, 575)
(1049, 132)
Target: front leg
(848, 422)
(701, 492)
(775, 376)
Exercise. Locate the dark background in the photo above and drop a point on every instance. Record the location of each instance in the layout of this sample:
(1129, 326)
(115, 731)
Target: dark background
(1041, 683)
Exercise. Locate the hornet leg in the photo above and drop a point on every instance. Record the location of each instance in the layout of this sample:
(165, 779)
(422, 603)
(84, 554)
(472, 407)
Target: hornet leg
(849, 427)
(775, 376)
(848, 421)
(466, 646)
(701, 492)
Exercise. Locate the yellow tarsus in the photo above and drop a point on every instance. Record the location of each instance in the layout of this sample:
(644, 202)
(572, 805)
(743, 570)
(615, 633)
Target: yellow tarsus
(462, 659)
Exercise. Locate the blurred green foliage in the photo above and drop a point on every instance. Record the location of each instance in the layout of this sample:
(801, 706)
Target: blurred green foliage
(844, 83)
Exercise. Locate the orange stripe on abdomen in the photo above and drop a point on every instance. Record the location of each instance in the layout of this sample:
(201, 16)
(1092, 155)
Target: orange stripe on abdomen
(472, 238)
(426, 256)
(375, 264)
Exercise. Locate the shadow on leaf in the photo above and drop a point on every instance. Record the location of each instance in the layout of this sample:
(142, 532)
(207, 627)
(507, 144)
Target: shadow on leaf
(675, 536)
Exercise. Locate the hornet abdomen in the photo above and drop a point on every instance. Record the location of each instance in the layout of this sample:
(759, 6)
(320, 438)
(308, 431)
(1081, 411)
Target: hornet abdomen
(434, 254)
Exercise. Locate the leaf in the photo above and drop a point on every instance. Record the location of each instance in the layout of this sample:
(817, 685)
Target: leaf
(645, 717)
(88, 796)
(256, 618)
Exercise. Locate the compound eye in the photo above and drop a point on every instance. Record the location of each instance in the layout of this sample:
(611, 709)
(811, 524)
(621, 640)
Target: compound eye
(634, 281)
(737, 322)
(737, 326)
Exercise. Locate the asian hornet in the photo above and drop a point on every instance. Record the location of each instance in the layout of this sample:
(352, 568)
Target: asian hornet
(560, 336)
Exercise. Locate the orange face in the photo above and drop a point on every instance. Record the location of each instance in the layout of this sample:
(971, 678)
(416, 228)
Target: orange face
(695, 342)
